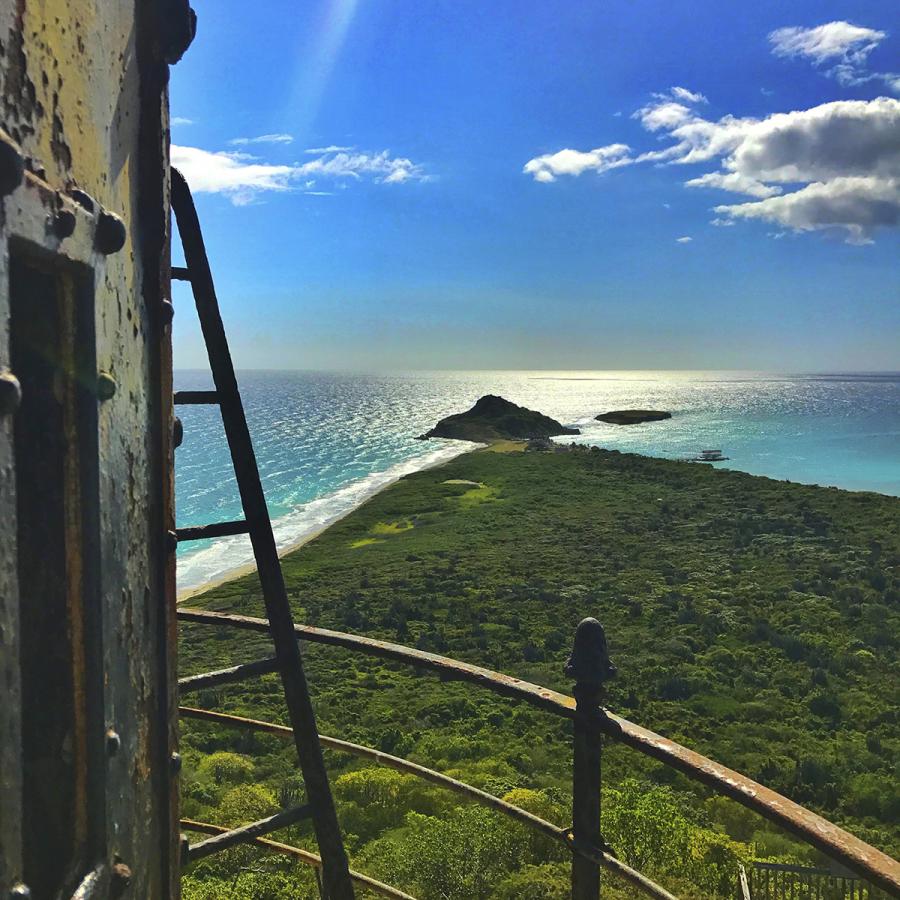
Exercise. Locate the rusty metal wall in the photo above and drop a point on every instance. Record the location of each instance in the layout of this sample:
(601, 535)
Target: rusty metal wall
(83, 103)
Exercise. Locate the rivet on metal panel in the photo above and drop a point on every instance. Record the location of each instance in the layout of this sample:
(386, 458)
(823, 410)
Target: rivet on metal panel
(175, 761)
(177, 433)
(167, 312)
(110, 234)
(20, 892)
(83, 199)
(113, 742)
(106, 386)
(64, 223)
(10, 393)
(12, 167)
(121, 878)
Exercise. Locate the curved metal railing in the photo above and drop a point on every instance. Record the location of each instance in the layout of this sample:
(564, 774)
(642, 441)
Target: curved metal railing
(590, 722)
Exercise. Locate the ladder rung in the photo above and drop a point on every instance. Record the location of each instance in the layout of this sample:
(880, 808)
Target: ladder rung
(196, 398)
(217, 529)
(227, 676)
(247, 832)
(181, 273)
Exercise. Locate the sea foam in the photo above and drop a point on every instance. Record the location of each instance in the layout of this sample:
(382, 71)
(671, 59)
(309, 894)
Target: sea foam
(228, 556)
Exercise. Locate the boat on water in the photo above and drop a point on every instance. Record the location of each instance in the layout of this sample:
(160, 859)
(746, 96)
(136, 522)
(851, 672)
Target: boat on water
(709, 456)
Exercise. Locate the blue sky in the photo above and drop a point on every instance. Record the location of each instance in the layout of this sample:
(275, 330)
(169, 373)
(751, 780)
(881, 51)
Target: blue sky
(382, 184)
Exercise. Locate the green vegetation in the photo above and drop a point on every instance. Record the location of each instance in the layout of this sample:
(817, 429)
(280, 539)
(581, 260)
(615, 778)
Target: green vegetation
(755, 621)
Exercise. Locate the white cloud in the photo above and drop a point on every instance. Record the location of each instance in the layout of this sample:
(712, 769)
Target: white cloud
(180, 120)
(683, 240)
(331, 148)
(844, 46)
(834, 40)
(384, 168)
(665, 114)
(735, 182)
(548, 167)
(835, 157)
(681, 93)
(228, 173)
(263, 139)
(859, 205)
(242, 178)
(845, 137)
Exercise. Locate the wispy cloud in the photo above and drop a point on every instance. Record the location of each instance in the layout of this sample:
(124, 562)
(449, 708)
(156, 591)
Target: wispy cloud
(686, 239)
(243, 178)
(180, 120)
(840, 48)
(262, 139)
(844, 155)
(331, 148)
(550, 166)
(681, 93)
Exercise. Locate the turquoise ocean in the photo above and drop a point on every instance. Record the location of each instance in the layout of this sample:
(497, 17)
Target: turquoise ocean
(325, 442)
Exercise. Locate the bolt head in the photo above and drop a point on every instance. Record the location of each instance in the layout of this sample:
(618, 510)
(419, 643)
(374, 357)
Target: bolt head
(10, 393)
(20, 892)
(12, 167)
(110, 234)
(113, 742)
(175, 761)
(167, 311)
(177, 432)
(64, 223)
(83, 199)
(106, 386)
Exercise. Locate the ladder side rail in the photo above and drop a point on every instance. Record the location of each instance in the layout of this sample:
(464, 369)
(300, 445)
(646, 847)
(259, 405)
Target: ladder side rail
(336, 869)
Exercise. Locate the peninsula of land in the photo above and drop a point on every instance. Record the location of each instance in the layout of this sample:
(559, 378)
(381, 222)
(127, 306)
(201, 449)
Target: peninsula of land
(753, 620)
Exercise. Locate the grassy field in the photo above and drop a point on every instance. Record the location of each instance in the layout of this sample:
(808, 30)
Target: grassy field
(755, 621)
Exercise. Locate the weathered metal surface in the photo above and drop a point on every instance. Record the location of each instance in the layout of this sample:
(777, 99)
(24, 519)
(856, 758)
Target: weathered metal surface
(235, 836)
(589, 664)
(227, 676)
(311, 859)
(586, 851)
(217, 529)
(836, 843)
(83, 169)
(336, 880)
(196, 398)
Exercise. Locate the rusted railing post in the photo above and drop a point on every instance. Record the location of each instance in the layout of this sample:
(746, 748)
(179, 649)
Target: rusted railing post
(589, 665)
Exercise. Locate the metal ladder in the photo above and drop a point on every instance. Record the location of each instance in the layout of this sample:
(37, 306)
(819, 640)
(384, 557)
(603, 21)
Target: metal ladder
(336, 883)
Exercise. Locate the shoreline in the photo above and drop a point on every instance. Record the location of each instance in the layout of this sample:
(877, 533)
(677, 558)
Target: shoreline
(233, 574)
(247, 568)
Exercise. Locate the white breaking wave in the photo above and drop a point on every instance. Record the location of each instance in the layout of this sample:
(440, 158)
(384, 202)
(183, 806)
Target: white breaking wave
(230, 555)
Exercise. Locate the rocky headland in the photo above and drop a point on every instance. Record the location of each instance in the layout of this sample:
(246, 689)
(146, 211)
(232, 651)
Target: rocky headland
(493, 418)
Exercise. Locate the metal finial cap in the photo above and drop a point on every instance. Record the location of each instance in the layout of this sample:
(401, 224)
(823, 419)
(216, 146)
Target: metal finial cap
(589, 663)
